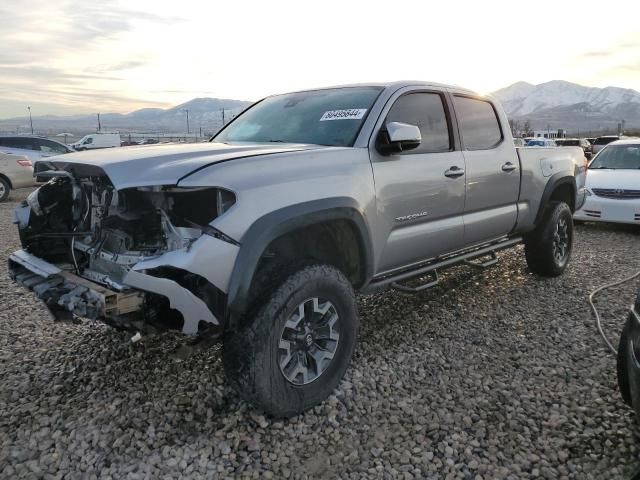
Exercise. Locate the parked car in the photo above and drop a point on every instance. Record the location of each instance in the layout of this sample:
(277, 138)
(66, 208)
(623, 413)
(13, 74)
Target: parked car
(601, 142)
(576, 142)
(628, 353)
(15, 172)
(32, 147)
(541, 142)
(97, 140)
(519, 142)
(613, 185)
(263, 235)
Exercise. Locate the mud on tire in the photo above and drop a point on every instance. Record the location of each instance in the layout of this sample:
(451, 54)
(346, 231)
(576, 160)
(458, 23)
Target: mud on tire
(265, 357)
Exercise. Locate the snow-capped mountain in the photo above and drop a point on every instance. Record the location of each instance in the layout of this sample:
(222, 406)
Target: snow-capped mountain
(569, 105)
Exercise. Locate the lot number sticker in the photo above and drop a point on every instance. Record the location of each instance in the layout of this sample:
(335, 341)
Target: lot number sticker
(349, 114)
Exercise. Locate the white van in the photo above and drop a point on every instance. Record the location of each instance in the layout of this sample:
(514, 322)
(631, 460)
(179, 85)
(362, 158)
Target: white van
(97, 140)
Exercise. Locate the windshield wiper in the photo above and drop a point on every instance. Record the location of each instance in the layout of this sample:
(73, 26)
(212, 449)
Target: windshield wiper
(276, 141)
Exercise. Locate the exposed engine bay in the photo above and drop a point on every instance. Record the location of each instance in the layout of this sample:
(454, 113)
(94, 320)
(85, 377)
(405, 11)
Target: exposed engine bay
(121, 255)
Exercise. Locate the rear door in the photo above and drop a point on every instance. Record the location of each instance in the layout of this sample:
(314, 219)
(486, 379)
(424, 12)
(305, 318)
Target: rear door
(419, 193)
(493, 170)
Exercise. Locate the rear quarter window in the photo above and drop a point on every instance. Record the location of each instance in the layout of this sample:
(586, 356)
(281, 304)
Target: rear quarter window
(479, 124)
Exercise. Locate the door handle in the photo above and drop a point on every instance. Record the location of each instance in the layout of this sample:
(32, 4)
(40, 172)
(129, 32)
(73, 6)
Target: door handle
(508, 167)
(454, 172)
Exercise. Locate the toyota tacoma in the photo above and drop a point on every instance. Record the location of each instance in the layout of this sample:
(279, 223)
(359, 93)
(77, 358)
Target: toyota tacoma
(261, 236)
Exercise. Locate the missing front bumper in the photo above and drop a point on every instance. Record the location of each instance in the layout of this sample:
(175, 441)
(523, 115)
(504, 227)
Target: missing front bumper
(63, 291)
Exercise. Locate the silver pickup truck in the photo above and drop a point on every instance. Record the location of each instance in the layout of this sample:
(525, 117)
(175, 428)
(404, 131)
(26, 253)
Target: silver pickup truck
(262, 236)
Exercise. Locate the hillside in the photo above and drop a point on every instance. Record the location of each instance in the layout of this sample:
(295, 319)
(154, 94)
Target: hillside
(560, 104)
(203, 112)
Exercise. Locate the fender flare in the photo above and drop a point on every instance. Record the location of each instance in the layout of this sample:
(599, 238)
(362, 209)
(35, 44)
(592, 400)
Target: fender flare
(556, 180)
(280, 222)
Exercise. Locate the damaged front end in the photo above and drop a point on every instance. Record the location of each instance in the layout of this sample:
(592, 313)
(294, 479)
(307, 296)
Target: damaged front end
(131, 257)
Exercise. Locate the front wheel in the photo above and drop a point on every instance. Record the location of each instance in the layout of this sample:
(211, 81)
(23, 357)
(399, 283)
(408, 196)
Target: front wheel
(548, 247)
(294, 352)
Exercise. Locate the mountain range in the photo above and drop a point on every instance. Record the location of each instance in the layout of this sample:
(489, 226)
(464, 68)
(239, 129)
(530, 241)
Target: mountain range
(555, 104)
(560, 104)
(205, 113)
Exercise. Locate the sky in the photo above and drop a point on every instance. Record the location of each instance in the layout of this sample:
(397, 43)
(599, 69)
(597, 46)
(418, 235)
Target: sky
(82, 56)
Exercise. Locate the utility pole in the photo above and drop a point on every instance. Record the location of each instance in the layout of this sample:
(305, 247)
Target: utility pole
(30, 119)
(187, 112)
(223, 117)
(99, 125)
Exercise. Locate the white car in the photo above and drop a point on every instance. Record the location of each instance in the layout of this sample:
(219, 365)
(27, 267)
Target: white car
(613, 185)
(32, 147)
(16, 171)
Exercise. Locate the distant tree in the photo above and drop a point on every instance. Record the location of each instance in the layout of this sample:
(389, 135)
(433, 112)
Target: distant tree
(526, 129)
(516, 128)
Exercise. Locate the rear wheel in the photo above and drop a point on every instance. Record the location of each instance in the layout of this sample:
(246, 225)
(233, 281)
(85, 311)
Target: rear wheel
(626, 356)
(622, 363)
(294, 352)
(548, 247)
(5, 188)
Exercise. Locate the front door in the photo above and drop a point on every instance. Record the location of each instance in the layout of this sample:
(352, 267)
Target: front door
(420, 193)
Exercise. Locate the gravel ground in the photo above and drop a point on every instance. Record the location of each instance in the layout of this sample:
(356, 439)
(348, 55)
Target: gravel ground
(495, 374)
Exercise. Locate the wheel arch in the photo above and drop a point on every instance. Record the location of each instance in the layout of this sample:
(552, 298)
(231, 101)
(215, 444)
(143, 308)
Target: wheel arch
(288, 220)
(6, 179)
(560, 187)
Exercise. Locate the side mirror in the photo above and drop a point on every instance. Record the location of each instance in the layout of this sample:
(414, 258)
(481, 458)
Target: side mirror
(398, 137)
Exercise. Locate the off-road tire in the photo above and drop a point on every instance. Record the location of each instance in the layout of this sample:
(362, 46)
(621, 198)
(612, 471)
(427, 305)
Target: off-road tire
(623, 355)
(5, 188)
(621, 364)
(250, 351)
(539, 244)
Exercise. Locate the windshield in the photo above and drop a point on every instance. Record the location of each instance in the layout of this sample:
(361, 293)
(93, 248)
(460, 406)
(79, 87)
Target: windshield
(622, 157)
(568, 143)
(330, 117)
(536, 143)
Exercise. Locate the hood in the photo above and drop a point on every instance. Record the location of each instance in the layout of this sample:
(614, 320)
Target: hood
(162, 164)
(624, 179)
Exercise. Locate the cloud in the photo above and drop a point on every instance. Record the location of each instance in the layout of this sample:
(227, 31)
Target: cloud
(71, 51)
(597, 54)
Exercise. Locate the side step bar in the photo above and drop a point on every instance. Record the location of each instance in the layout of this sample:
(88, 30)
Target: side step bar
(419, 288)
(394, 280)
(486, 264)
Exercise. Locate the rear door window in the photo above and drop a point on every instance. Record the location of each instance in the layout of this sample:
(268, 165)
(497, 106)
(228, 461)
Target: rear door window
(25, 143)
(479, 124)
(12, 142)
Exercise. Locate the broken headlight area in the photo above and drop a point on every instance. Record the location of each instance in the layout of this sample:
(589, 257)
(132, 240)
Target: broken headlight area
(93, 236)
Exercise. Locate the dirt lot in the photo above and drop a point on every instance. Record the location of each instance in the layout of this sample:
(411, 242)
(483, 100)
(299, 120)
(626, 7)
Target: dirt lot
(495, 374)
